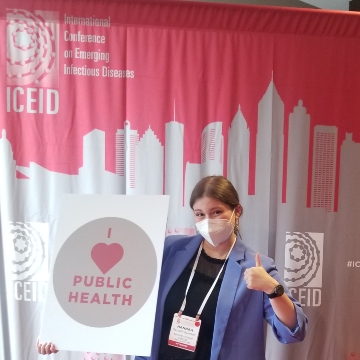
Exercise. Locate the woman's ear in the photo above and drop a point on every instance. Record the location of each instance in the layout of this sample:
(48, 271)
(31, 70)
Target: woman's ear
(238, 210)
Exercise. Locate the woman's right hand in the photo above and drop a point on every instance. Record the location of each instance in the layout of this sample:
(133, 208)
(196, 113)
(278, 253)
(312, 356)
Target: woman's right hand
(47, 348)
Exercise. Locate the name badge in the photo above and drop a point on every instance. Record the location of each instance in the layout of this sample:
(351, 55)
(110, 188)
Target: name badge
(184, 332)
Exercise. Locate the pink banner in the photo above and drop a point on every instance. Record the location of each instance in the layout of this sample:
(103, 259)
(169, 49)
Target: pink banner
(135, 97)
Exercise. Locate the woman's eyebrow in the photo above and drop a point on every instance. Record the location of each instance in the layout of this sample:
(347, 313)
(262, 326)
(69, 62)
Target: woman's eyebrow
(213, 208)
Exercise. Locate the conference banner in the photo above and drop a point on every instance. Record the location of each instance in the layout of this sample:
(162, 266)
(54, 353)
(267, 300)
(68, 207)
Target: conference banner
(145, 98)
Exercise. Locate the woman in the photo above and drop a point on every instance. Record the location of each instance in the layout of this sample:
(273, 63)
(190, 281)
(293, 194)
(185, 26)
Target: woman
(215, 292)
(247, 287)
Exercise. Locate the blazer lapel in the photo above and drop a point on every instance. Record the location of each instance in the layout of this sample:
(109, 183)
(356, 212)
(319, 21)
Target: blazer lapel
(179, 262)
(229, 286)
(170, 273)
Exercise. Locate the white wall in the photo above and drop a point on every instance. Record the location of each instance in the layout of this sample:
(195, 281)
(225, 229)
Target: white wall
(322, 4)
(330, 4)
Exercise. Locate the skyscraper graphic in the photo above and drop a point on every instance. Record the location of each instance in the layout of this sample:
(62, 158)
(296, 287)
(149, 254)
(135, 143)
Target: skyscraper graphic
(126, 141)
(174, 162)
(149, 165)
(174, 168)
(349, 200)
(298, 155)
(238, 155)
(212, 149)
(269, 167)
(212, 163)
(120, 152)
(94, 150)
(7, 175)
(6, 161)
(324, 167)
(193, 173)
(270, 144)
(93, 161)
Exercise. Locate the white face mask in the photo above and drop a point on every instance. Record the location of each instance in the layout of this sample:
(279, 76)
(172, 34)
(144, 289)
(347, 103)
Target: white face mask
(215, 231)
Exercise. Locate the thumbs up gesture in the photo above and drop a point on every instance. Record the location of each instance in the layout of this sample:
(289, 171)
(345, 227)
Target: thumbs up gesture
(258, 260)
(257, 278)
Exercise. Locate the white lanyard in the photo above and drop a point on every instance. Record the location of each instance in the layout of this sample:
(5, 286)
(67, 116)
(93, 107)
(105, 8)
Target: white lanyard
(212, 286)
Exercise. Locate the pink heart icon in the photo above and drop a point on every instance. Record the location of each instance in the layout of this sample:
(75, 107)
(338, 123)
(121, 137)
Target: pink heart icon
(106, 256)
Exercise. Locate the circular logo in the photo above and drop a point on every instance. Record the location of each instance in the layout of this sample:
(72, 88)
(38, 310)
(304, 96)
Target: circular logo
(105, 272)
(303, 259)
(31, 47)
(29, 250)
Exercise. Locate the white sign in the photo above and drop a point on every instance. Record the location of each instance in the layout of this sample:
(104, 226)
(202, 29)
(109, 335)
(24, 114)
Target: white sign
(105, 273)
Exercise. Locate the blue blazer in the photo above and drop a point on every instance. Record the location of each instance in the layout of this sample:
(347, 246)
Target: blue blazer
(240, 312)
